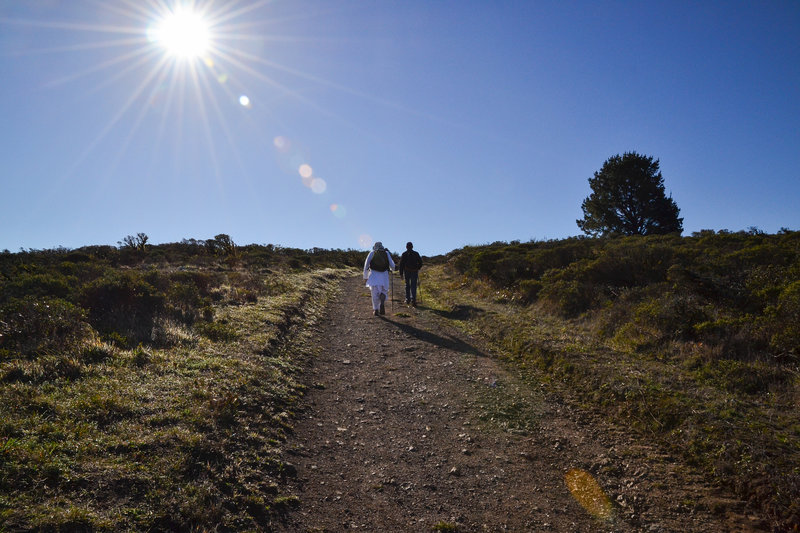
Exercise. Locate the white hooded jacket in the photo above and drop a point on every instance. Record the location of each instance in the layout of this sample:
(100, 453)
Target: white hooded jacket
(377, 279)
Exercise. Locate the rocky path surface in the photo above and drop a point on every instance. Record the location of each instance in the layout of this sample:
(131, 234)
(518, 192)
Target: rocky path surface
(409, 426)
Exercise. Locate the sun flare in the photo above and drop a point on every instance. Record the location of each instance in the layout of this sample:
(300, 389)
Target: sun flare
(183, 33)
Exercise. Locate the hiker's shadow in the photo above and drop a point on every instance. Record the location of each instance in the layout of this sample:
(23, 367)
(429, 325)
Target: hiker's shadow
(449, 342)
(459, 312)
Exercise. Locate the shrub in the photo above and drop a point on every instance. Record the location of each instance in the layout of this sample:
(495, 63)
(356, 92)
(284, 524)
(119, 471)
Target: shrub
(33, 326)
(733, 337)
(460, 260)
(630, 263)
(566, 297)
(53, 285)
(741, 377)
(670, 317)
(555, 255)
(761, 253)
(216, 331)
(222, 244)
(786, 340)
(529, 290)
(496, 265)
(184, 300)
(96, 353)
(203, 281)
(123, 303)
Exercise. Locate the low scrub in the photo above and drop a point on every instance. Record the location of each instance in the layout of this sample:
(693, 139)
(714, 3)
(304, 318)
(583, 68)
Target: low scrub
(125, 303)
(738, 291)
(31, 326)
(151, 389)
(140, 294)
(692, 343)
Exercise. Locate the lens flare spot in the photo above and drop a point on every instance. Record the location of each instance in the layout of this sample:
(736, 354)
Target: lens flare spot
(244, 101)
(318, 185)
(222, 78)
(281, 143)
(588, 493)
(365, 241)
(338, 211)
(307, 181)
(305, 170)
(290, 155)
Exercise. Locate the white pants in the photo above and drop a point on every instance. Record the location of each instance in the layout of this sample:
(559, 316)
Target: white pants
(376, 295)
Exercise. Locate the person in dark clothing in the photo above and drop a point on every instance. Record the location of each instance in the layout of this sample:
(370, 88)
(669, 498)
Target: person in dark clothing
(410, 263)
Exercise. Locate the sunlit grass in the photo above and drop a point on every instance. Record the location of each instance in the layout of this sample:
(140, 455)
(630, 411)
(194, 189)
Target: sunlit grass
(151, 438)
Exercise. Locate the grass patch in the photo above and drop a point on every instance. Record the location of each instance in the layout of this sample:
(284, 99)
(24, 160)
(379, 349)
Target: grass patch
(185, 436)
(510, 407)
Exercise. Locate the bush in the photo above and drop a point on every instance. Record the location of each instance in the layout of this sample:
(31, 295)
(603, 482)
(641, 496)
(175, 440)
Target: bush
(529, 290)
(632, 262)
(461, 260)
(32, 326)
(674, 315)
(184, 300)
(216, 331)
(732, 337)
(736, 292)
(568, 298)
(203, 281)
(786, 340)
(740, 377)
(656, 320)
(53, 285)
(97, 353)
(485, 263)
(123, 303)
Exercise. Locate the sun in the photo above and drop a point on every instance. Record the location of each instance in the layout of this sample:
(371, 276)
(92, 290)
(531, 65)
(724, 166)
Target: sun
(183, 33)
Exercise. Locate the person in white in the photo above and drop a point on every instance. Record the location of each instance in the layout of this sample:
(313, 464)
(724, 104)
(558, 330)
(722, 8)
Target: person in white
(377, 280)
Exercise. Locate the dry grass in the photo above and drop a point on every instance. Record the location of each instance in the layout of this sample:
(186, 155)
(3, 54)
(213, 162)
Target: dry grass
(186, 436)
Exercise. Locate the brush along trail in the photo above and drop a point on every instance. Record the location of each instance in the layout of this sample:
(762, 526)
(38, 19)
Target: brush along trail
(409, 425)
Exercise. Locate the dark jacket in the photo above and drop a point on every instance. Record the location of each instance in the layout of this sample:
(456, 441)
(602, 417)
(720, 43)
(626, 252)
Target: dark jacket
(410, 261)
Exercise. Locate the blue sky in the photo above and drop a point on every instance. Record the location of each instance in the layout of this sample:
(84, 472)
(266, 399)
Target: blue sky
(443, 122)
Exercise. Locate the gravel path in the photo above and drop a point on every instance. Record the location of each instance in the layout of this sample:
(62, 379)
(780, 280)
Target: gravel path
(409, 426)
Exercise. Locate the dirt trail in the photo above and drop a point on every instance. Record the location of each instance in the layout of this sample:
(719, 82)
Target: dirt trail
(398, 435)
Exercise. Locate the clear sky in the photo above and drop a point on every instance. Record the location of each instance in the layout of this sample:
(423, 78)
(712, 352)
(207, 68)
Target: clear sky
(335, 123)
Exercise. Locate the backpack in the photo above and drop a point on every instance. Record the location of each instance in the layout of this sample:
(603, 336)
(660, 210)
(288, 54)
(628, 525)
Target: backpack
(413, 261)
(380, 261)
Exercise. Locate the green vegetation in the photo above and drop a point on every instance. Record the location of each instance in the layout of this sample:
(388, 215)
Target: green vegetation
(151, 387)
(690, 342)
(628, 198)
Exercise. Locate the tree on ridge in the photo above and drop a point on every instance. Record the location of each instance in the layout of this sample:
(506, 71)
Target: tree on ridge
(628, 198)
